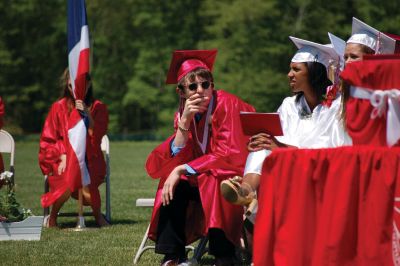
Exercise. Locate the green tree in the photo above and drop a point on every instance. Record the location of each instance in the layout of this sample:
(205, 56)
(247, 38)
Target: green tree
(32, 43)
(160, 28)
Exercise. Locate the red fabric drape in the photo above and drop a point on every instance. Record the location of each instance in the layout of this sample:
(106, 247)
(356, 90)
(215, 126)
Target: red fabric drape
(328, 207)
(378, 72)
(360, 126)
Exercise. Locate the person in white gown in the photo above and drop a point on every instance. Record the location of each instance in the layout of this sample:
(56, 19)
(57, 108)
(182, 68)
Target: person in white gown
(310, 118)
(366, 40)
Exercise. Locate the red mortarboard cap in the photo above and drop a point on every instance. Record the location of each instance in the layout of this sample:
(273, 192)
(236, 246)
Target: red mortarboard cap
(184, 61)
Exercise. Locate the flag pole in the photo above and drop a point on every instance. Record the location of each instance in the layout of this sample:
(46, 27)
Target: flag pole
(81, 220)
(79, 66)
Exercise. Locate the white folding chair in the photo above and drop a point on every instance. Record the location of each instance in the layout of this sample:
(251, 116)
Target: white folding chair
(7, 145)
(143, 247)
(105, 148)
(198, 252)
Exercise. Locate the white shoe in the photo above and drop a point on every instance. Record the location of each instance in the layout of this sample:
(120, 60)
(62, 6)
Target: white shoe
(191, 262)
(46, 221)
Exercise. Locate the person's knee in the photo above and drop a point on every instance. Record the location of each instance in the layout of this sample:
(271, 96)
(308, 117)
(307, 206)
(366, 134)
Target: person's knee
(219, 244)
(64, 197)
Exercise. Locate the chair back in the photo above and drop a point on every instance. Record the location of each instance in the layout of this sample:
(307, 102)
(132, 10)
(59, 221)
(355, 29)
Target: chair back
(105, 148)
(105, 145)
(7, 145)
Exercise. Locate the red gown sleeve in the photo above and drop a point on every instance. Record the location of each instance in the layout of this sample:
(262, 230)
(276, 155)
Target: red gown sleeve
(227, 151)
(228, 145)
(51, 141)
(160, 162)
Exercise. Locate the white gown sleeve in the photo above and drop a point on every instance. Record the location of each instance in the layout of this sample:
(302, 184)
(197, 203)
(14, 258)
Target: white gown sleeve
(255, 161)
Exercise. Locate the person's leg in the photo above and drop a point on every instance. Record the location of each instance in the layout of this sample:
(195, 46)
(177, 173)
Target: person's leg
(171, 238)
(91, 196)
(241, 191)
(221, 247)
(250, 183)
(55, 208)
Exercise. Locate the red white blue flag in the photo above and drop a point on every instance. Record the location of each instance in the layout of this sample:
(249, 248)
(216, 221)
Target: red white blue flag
(77, 173)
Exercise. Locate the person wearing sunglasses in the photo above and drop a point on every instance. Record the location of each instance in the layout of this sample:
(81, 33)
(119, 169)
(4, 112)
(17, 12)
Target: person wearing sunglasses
(54, 144)
(309, 119)
(207, 147)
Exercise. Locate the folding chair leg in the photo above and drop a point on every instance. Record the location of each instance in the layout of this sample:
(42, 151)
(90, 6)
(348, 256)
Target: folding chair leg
(108, 199)
(143, 247)
(46, 211)
(200, 250)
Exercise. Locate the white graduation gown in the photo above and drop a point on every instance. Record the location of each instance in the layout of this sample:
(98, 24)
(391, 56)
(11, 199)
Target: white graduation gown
(321, 128)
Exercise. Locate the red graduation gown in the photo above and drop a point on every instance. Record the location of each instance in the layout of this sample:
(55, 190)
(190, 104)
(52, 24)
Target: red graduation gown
(224, 157)
(54, 142)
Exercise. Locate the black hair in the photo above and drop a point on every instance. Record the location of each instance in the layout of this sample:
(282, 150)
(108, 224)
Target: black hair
(318, 78)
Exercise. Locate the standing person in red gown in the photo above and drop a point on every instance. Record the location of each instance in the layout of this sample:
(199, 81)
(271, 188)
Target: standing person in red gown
(2, 112)
(206, 148)
(54, 145)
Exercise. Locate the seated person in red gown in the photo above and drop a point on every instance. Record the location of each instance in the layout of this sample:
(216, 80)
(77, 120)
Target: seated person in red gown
(54, 145)
(206, 148)
(2, 111)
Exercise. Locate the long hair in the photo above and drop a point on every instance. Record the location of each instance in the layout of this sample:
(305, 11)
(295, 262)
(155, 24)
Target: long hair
(318, 78)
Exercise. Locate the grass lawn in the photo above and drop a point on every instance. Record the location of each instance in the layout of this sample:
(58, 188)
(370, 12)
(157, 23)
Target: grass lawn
(115, 245)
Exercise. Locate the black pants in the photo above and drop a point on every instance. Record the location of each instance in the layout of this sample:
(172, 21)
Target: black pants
(171, 237)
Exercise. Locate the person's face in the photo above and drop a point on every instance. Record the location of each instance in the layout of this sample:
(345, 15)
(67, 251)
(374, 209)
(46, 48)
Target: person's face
(353, 52)
(200, 86)
(88, 83)
(298, 77)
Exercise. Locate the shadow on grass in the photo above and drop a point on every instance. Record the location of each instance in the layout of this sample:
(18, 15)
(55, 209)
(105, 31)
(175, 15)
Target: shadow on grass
(93, 225)
(123, 221)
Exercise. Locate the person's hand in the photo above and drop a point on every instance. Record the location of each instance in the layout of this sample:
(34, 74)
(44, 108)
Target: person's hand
(81, 106)
(63, 164)
(263, 141)
(170, 184)
(194, 104)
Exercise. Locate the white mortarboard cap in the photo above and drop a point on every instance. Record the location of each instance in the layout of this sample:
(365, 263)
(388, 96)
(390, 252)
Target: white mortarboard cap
(314, 52)
(364, 34)
(339, 45)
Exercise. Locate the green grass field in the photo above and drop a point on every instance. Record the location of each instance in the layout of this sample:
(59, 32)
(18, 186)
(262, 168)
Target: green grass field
(115, 245)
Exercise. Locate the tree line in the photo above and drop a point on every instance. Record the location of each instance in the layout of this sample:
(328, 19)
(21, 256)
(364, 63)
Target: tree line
(132, 42)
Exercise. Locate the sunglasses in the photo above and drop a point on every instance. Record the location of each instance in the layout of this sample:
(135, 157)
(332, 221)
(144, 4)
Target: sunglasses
(204, 84)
